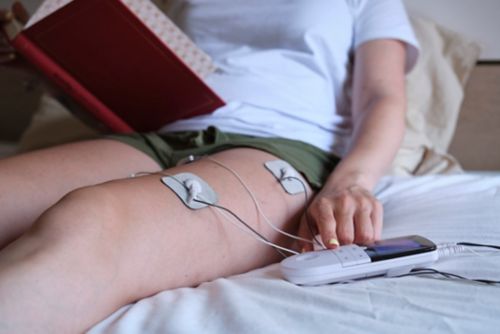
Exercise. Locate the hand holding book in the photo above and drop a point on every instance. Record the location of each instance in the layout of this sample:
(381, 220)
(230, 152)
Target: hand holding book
(124, 61)
(11, 22)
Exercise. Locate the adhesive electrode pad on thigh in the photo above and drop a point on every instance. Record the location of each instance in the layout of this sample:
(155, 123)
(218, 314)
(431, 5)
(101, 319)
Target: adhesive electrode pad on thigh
(191, 189)
(286, 175)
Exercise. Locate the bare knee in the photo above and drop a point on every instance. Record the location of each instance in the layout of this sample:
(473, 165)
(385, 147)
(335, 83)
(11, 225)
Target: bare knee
(70, 259)
(85, 217)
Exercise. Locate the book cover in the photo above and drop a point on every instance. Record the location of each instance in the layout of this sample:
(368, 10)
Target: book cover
(124, 61)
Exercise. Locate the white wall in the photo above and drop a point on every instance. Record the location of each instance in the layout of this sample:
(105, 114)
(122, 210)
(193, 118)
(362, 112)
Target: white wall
(477, 19)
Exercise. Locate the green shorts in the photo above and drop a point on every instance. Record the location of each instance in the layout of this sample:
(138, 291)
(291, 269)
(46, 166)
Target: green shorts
(168, 149)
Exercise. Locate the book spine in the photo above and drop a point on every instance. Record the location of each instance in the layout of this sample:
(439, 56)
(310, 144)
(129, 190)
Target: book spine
(68, 84)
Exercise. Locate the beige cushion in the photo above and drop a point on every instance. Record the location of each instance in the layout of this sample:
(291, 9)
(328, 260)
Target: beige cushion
(435, 91)
(477, 139)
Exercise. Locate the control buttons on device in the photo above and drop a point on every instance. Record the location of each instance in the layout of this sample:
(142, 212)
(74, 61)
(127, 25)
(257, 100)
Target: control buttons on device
(351, 255)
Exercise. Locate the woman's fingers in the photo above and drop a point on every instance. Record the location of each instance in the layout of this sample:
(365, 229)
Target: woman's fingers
(344, 206)
(364, 227)
(6, 52)
(17, 14)
(20, 13)
(377, 217)
(17, 11)
(11, 21)
(326, 221)
(351, 216)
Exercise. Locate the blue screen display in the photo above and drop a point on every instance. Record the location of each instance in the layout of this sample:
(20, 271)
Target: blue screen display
(397, 247)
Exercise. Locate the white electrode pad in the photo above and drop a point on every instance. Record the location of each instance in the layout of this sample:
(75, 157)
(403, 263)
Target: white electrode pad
(190, 188)
(286, 175)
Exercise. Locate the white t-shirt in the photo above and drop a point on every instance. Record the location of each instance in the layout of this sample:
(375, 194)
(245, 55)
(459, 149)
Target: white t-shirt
(283, 64)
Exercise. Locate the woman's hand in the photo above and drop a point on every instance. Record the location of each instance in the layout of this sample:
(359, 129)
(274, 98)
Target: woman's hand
(342, 215)
(345, 211)
(7, 53)
(17, 15)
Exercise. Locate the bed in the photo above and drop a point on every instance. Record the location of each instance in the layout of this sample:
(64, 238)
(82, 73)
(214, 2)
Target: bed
(441, 186)
(442, 208)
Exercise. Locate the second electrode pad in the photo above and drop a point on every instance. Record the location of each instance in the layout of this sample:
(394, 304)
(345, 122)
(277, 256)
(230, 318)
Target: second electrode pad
(286, 175)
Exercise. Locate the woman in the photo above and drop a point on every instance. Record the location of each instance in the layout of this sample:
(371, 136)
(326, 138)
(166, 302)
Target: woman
(81, 238)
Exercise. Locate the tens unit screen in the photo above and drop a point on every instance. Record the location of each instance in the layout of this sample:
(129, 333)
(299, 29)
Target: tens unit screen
(397, 247)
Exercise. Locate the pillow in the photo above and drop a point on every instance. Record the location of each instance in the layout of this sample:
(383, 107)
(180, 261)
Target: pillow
(435, 90)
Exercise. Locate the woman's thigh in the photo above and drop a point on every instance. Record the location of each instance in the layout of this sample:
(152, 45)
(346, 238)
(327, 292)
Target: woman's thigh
(128, 239)
(173, 245)
(32, 182)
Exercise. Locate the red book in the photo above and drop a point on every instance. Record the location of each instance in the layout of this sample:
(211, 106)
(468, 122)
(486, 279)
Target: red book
(124, 61)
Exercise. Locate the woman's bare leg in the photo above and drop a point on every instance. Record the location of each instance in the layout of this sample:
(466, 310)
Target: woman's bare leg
(105, 246)
(32, 182)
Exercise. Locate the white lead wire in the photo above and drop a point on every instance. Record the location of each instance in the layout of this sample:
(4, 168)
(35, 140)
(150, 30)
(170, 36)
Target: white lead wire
(257, 205)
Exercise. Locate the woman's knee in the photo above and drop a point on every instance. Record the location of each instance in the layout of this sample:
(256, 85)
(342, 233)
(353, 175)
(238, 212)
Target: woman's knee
(86, 215)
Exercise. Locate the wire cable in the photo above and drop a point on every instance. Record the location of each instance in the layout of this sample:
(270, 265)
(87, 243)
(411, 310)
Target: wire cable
(450, 249)
(256, 203)
(471, 244)
(260, 237)
(245, 230)
(453, 248)
(431, 271)
(276, 247)
(306, 215)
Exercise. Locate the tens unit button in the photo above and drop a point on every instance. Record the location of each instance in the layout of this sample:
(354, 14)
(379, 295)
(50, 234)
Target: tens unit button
(351, 255)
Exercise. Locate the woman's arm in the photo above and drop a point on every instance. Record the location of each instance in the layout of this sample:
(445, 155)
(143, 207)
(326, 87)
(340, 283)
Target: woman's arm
(345, 210)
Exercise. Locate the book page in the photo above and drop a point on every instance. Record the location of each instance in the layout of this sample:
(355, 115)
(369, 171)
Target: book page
(153, 18)
(46, 8)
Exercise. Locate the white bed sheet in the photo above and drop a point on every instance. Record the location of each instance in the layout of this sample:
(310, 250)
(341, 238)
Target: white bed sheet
(443, 208)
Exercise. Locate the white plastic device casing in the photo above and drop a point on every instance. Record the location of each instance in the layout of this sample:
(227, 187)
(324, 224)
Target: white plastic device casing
(347, 263)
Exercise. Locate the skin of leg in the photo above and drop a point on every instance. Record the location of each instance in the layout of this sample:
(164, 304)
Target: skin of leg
(104, 246)
(32, 182)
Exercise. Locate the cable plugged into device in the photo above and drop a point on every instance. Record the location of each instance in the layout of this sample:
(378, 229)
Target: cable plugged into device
(286, 175)
(450, 249)
(453, 248)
